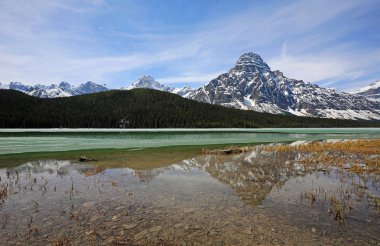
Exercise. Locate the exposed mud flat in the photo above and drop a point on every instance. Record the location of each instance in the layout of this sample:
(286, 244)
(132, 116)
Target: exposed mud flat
(261, 196)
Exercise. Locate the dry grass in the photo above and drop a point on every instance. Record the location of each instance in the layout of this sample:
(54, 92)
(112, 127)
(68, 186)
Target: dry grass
(358, 156)
(337, 208)
(367, 147)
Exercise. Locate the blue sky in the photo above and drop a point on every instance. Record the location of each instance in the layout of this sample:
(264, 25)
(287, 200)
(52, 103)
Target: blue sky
(332, 43)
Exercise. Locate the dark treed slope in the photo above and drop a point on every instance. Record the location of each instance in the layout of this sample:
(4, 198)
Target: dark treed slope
(139, 108)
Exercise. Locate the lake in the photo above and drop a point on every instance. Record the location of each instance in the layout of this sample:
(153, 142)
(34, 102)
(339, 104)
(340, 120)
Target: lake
(157, 187)
(42, 140)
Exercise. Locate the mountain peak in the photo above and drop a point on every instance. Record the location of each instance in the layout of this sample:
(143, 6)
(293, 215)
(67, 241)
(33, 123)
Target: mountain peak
(147, 81)
(91, 87)
(251, 62)
(371, 92)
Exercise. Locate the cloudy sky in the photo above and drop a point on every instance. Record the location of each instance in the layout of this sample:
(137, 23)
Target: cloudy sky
(332, 43)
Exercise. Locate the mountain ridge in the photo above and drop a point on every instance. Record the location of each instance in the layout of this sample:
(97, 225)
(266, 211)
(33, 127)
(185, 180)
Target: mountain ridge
(141, 108)
(250, 85)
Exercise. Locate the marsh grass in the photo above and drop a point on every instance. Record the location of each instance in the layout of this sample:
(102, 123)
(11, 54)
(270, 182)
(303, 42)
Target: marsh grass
(365, 147)
(358, 156)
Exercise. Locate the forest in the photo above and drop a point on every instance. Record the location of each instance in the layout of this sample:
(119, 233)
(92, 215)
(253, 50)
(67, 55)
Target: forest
(142, 108)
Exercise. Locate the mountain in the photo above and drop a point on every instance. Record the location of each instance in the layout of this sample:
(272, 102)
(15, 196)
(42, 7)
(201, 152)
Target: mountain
(371, 92)
(249, 85)
(91, 87)
(148, 82)
(4, 86)
(252, 85)
(184, 91)
(141, 108)
(18, 86)
(64, 89)
(50, 91)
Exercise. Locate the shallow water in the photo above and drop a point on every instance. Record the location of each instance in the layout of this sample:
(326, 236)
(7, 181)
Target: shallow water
(44, 140)
(250, 198)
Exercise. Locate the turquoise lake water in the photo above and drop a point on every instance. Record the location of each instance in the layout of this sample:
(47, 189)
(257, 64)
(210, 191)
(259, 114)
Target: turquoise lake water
(42, 140)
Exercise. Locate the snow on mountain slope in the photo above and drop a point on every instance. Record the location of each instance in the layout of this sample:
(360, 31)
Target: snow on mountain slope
(64, 89)
(148, 82)
(184, 91)
(371, 92)
(91, 87)
(19, 87)
(4, 86)
(251, 85)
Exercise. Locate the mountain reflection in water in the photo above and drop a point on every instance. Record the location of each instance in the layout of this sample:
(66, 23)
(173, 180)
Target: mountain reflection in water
(253, 197)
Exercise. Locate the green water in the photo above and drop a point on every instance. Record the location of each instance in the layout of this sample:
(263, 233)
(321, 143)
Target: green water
(44, 140)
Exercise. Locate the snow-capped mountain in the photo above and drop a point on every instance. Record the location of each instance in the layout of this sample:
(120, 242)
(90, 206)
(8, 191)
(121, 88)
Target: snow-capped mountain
(4, 86)
(148, 82)
(19, 86)
(185, 91)
(371, 92)
(251, 85)
(91, 87)
(64, 89)
(50, 91)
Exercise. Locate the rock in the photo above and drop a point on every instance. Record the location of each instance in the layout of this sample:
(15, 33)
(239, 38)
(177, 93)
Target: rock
(179, 225)
(197, 227)
(248, 230)
(88, 204)
(313, 230)
(110, 240)
(155, 229)
(94, 218)
(129, 226)
(214, 232)
(119, 208)
(189, 210)
(115, 218)
(140, 235)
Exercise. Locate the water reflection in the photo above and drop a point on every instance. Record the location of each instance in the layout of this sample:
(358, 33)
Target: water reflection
(258, 196)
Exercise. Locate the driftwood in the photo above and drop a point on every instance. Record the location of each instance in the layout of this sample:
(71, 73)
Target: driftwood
(85, 159)
(227, 150)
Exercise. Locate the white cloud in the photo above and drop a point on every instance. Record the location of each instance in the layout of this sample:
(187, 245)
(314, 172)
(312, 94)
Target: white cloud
(36, 46)
(190, 78)
(328, 68)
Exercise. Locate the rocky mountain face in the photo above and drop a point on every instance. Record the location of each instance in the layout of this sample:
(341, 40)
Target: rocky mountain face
(64, 89)
(184, 91)
(249, 85)
(148, 82)
(371, 92)
(252, 85)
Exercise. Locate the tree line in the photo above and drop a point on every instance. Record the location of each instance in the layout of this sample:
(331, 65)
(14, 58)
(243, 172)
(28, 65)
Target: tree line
(141, 108)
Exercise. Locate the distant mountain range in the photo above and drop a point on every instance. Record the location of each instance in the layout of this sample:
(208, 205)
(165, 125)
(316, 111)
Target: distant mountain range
(371, 92)
(249, 85)
(64, 89)
(142, 108)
